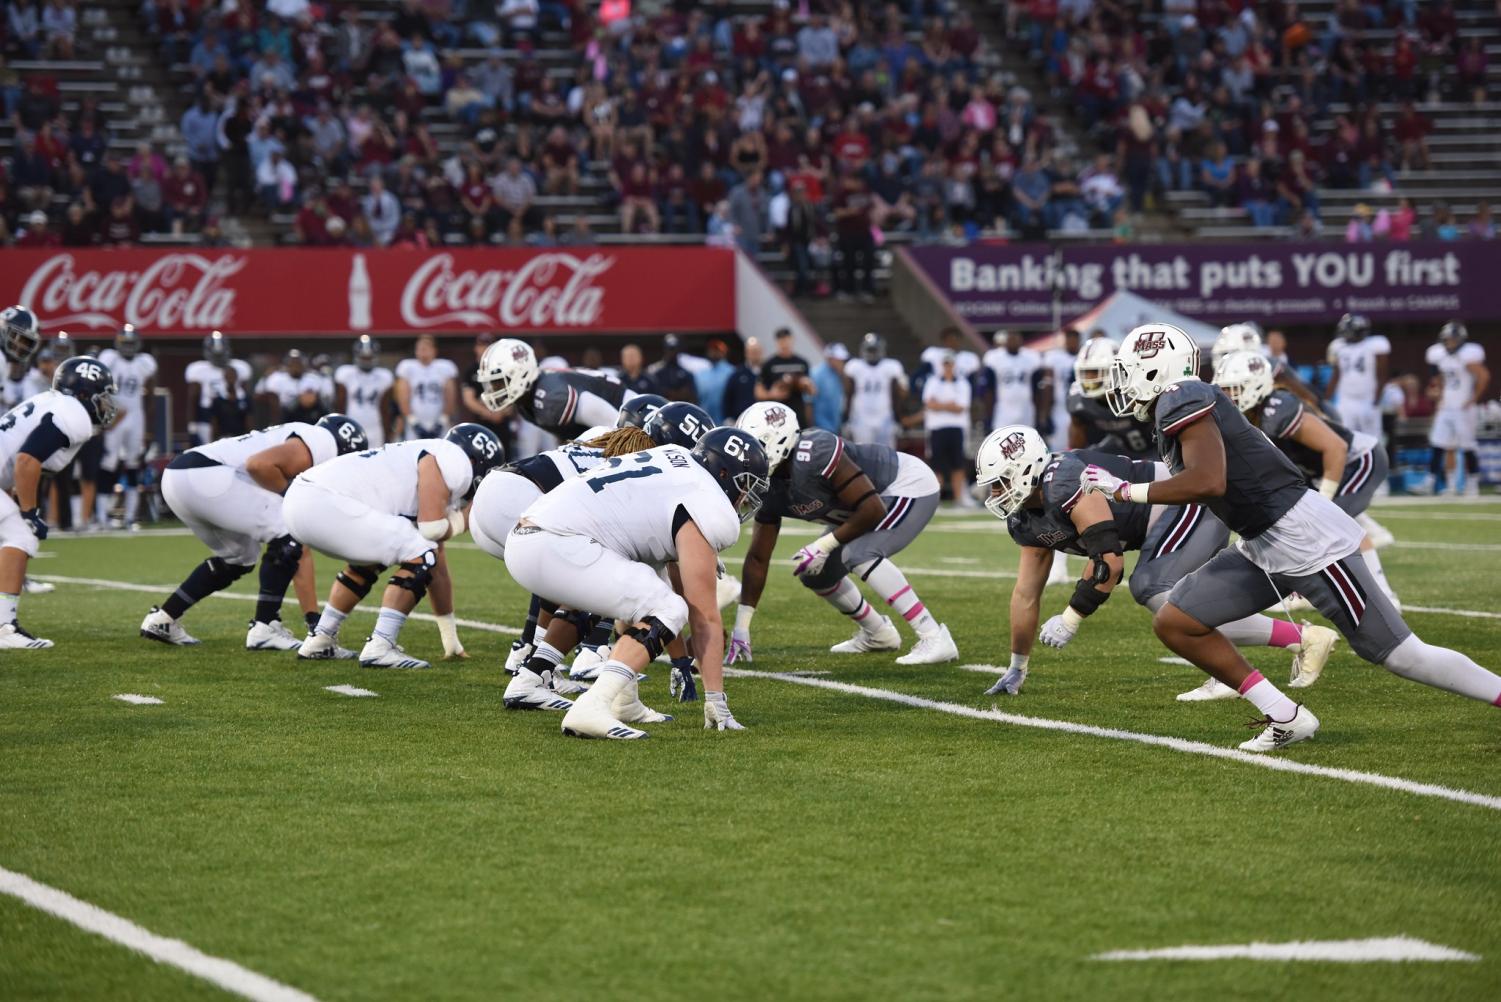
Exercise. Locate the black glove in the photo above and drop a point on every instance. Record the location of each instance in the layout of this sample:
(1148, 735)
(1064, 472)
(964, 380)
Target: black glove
(35, 522)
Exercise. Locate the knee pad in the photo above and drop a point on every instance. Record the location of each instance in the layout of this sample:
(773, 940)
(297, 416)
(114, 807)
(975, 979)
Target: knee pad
(359, 578)
(419, 574)
(653, 636)
(832, 573)
(226, 573)
(284, 551)
(583, 622)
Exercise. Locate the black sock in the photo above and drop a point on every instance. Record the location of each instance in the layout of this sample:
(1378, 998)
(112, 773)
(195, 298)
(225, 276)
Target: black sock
(600, 635)
(276, 577)
(207, 578)
(1472, 464)
(311, 618)
(529, 631)
(1436, 467)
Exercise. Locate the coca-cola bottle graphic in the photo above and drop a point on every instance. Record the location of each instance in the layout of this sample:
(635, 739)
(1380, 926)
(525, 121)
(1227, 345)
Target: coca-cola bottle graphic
(359, 295)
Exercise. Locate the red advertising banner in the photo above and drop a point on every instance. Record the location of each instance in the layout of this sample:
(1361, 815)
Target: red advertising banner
(339, 292)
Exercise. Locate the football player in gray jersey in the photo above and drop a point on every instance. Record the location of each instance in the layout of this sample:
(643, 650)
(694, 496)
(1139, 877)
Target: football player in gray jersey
(1292, 539)
(564, 403)
(1047, 512)
(874, 500)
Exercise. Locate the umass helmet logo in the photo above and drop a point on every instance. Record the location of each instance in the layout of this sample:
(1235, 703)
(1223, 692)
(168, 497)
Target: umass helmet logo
(776, 417)
(1150, 343)
(518, 352)
(1013, 445)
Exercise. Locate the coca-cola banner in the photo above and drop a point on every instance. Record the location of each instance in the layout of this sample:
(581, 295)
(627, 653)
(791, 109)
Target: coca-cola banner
(995, 285)
(328, 291)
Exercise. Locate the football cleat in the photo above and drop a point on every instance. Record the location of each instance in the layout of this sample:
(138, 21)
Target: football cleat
(159, 626)
(1277, 735)
(566, 686)
(272, 636)
(379, 652)
(1379, 534)
(587, 719)
(1312, 655)
(586, 663)
(727, 590)
(12, 636)
(322, 647)
(529, 691)
(32, 586)
(1058, 572)
(884, 639)
(1212, 688)
(519, 654)
(628, 708)
(931, 650)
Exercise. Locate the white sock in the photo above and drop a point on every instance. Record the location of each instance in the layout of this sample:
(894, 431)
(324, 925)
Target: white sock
(891, 584)
(1267, 698)
(547, 652)
(330, 621)
(132, 504)
(75, 506)
(1373, 564)
(101, 503)
(613, 677)
(845, 596)
(1443, 669)
(389, 623)
(8, 608)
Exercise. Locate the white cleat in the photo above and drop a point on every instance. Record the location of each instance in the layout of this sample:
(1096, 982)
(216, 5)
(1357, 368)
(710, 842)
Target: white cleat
(863, 642)
(1058, 573)
(629, 709)
(322, 647)
(1312, 655)
(159, 626)
(1212, 688)
(32, 586)
(586, 662)
(932, 650)
(379, 652)
(272, 636)
(1379, 534)
(563, 685)
(587, 719)
(530, 691)
(727, 590)
(518, 657)
(13, 637)
(1291, 602)
(1301, 727)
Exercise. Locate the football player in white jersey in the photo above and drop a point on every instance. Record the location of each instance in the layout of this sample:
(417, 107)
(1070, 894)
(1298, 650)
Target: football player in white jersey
(42, 435)
(427, 391)
(292, 392)
(1459, 369)
(1360, 360)
(229, 493)
(1014, 370)
(219, 387)
(966, 362)
(363, 390)
(874, 388)
(1058, 363)
(125, 441)
(599, 543)
(393, 505)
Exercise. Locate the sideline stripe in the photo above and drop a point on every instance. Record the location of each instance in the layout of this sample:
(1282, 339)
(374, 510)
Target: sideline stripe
(1340, 951)
(1156, 740)
(174, 952)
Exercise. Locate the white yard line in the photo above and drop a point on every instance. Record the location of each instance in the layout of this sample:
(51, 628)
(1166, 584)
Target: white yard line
(174, 952)
(1389, 949)
(1156, 740)
(350, 690)
(137, 699)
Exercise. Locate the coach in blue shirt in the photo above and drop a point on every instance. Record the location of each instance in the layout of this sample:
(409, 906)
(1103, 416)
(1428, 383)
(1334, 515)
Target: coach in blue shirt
(828, 380)
(713, 380)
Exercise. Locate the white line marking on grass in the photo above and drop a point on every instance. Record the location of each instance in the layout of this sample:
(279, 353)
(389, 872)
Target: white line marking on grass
(1483, 547)
(1339, 951)
(1466, 613)
(137, 699)
(350, 690)
(958, 560)
(1171, 660)
(982, 669)
(173, 952)
(1157, 740)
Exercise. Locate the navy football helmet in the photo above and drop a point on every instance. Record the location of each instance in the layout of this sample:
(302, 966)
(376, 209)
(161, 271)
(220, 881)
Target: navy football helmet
(738, 464)
(635, 412)
(482, 447)
(347, 432)
(128, 341)
(20, 334)
(88, 380)
(678, 424)
(1352, 327)
(366, 352)
(216, 348)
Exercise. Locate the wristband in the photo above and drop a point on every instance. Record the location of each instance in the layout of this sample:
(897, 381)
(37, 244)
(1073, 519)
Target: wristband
(433, 530)
(1019, 661)
(448, 629)
(456, 522)
(1328, 487)
(1071, 615)
(743, 616)
(827, 543)
(1137, 493)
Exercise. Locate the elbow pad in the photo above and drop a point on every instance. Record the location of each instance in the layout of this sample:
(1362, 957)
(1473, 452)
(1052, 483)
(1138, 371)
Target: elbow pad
(1100, 539)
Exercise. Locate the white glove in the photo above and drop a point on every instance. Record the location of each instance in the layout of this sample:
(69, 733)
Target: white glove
(717, 715)
(1098, 480)
(1010, 684)
(448, 629)
(1059, 630)
(811, 558)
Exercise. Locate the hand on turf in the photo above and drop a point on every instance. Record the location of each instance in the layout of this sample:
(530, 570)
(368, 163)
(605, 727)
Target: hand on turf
(1057, 632)
(35, 522)
(1098, 480)
(1009, 684)
(717, 715)
(740, 647)
(809, 560)
(681, 683)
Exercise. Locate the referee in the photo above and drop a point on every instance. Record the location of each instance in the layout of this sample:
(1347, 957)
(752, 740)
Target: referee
(946, 400)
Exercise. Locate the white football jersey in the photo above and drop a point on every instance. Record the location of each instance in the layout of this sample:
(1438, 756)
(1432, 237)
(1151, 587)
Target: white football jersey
(630, 504)
(131, 376)
(966, 363)
(363, 389)
(1013, 378)
(61, 411)
(210, 380)
(1060, 365)
(870, 400)
(33, 383)
(237, 449)
(287, 387)
(14, 390)
(1357, 366)
(1454, 368)
(386, 478)
(427, 382)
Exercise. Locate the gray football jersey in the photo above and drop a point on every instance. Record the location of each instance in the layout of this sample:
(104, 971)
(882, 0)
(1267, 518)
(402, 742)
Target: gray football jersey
(808, 491)
(1261, 484)
(1282, 414)
(1050, 526)
(1103, 430)
(568, 402)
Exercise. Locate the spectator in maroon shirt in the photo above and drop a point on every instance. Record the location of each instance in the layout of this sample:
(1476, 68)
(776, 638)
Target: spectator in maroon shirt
(851, 146)
(119, 228)
(185, 196)
(637, 206)
(1470, 65)
(852, 204)
(311, 224)
(707, 189)
(39, 235)
(1410, 131)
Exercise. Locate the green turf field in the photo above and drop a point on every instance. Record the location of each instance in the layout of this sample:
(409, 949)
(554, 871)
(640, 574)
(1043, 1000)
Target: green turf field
(428, 844)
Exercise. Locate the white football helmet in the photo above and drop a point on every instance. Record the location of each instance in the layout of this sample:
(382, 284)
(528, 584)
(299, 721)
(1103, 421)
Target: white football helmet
(775, 426)
(507, 372)
(1152, 358)
(1008, 465)
(1236, 337)
(1092, 366)
(1245, 377)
